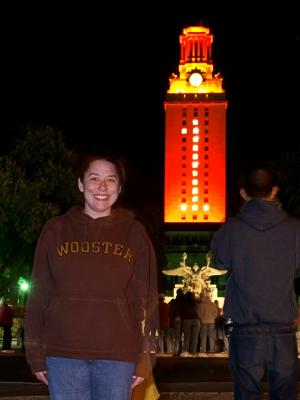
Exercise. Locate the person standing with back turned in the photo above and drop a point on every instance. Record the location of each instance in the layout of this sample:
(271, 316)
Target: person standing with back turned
(260, 247)
(94, 281)
(6, 321)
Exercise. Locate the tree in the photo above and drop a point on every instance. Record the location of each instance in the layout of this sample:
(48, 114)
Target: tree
(37, 182)
(290, 181)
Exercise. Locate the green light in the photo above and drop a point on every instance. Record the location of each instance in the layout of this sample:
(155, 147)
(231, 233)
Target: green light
(23, 284)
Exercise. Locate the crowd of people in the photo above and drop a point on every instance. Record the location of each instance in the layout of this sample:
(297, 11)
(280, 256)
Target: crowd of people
(188, 326)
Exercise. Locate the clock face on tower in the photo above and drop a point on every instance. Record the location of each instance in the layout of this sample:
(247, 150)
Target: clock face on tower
(195, 79)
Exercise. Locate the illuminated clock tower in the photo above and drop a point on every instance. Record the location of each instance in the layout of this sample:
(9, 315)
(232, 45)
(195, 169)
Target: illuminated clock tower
(195, 135)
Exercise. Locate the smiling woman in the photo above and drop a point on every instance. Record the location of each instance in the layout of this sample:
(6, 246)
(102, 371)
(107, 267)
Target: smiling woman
(96, 265)
(101, 187)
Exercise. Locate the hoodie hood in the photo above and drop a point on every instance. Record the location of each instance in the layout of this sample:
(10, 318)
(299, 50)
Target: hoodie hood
(118, 214)
(262, 215)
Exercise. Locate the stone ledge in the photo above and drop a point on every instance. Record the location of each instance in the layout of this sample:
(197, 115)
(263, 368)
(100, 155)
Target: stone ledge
(195, 387)
(24, 398)
(196, 396)
(163, 396)
(202, 396)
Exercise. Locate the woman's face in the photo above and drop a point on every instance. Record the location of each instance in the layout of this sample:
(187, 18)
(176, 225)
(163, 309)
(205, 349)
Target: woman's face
(100, 188)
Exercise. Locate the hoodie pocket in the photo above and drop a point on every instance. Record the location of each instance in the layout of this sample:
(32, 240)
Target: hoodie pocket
(91, 324)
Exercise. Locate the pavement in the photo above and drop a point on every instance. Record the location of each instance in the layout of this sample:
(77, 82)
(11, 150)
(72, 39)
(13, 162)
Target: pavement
(177, 378)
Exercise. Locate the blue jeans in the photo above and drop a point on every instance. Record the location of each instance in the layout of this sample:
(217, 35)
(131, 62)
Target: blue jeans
(258, 350)
(164, 340)
(72, 379)
(191, 329)
(207, 331)
(176, 333)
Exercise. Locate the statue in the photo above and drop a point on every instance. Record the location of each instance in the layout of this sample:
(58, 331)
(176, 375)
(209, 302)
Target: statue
(195, 279)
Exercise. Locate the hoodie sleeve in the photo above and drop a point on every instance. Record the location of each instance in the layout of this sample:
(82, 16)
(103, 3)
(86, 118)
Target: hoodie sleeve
(36, 306)
(221, 249)
(143, 295)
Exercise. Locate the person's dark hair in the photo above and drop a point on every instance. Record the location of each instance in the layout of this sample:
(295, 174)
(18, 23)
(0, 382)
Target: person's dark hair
(87, 158)
(258, 180)
(190, 297)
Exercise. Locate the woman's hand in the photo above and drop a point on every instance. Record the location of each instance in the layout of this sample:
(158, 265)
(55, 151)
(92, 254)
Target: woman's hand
(136, 381)
(41, 376)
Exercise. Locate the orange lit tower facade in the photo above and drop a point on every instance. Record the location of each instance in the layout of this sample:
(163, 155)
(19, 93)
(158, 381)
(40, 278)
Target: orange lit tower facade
(195, 135)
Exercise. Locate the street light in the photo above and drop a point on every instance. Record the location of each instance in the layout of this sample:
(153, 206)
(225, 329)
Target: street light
(24, 287)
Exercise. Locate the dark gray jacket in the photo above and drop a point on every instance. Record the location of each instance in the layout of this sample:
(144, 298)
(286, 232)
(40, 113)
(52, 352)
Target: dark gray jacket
(261, 249)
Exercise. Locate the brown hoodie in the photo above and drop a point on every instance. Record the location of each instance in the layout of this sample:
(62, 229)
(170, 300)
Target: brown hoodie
(93, 282)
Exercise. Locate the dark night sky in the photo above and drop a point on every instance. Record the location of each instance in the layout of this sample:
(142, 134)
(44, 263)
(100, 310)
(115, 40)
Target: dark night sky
(103, 82)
